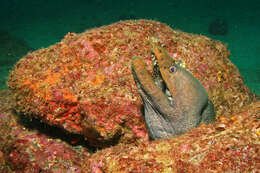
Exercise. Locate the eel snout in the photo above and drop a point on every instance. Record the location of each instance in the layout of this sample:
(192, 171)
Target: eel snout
(174, 100)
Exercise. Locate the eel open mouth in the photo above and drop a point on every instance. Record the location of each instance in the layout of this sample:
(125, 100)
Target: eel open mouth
(174, 100)
(158, 80)
(158, 101)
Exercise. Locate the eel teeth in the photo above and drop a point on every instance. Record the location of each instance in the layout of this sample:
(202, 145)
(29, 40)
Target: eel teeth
(154, 60)
(169, 96)
(164, 89)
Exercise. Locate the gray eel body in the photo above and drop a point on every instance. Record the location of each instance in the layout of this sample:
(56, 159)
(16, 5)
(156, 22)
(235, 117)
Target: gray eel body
(174, 100)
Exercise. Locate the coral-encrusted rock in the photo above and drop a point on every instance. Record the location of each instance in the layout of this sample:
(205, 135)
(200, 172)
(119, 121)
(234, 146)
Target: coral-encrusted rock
(234, 147)
(84, 82)
(27, 151)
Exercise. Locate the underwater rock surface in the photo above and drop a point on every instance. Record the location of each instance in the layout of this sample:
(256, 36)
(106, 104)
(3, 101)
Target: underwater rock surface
(229, 145)
(84, 83)
(25, 150)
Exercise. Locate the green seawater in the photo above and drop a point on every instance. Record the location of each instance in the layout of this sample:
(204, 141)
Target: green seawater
(30, 25)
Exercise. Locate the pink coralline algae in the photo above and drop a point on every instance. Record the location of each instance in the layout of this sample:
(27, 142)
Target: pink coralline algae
(84, 83)
(229, 145)
(27, 151)
(233, 148)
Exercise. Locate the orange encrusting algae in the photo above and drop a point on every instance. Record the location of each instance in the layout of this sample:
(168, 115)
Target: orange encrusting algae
(98, 80)
(84, 83)
(207, 148)
(27, 150)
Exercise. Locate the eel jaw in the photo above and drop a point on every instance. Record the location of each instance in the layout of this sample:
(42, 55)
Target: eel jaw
(158, 79)
(174, 100)
(159, 110)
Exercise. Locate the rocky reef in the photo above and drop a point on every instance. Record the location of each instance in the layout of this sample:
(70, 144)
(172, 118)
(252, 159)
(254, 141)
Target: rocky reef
(84, 85)
(28, 150)
(229, 145)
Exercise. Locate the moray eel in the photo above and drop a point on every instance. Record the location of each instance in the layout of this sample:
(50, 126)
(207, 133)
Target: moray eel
(174, 100)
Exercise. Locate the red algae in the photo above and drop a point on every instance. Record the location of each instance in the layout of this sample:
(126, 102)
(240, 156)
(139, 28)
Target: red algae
(235, 148)
(25, 150)
(84, 83)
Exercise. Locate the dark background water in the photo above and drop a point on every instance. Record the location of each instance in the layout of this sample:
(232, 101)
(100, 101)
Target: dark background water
(28, 25)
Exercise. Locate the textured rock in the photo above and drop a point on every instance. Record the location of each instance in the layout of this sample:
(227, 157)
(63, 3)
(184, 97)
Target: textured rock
(229, 145)
(84, 83)
(24, 150)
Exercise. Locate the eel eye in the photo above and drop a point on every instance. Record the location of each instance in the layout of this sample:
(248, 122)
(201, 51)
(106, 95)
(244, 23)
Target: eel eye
(172, 69)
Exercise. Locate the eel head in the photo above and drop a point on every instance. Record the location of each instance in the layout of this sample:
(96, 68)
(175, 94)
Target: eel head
(174, 100)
